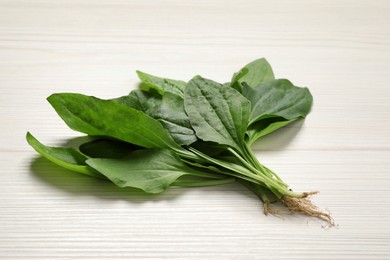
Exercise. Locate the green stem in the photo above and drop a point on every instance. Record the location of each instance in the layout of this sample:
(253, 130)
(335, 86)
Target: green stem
(252, 158)
(274, 174)
(248, 165)
(260, 172)
(248, 154)
(252, 173)
(263, 168)
(205, 175)
(185, 154)
(243, 172)
(204, 183)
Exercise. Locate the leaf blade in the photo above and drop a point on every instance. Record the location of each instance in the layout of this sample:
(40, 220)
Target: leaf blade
(168, 109)
(162, 85)
(97, 117)
(151, 170)
(275, 104)
(278, 98)
(217, 113)
(67, 158)
(254, 74)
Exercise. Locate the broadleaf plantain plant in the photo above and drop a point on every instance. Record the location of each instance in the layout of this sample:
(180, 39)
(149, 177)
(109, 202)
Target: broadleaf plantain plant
(169, 130)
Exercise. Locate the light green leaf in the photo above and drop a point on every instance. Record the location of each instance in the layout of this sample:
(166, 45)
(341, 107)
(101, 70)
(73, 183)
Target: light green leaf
(168, 109)
(97, 117)
(67, 158)
(162, 85)
(151, 170)
(217, 113)
(254, 74)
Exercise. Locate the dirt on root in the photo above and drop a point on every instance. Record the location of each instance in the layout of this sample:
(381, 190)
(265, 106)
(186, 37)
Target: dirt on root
(300, 205)
(306, 206)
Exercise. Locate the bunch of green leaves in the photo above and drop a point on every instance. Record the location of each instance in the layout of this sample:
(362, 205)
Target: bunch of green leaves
(177, 133)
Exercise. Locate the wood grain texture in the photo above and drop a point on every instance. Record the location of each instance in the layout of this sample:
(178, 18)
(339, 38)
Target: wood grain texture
(339, 49)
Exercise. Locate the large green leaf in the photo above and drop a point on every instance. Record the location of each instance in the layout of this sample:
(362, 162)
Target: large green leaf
(67, 158)
(254, 74)
(168, 109)
(151, 170)
(217, 113)
(275, 104)
(278, 98)
(162, 85)
(98, 117)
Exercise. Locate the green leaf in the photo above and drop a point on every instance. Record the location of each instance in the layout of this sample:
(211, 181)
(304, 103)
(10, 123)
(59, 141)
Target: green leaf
(173, 117)
(67, 158)
(105, 148)
(162, 85)
(134, 100)
(278, 98)
(168, 109)
(97, 117)
(275, 104)
(254, 74)
(151, 170)
(209, 148)
(217, 113)
(235, 83)
(264, 127)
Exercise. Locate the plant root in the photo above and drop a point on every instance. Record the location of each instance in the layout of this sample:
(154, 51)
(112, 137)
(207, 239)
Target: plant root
(305, 205)
(268, 210)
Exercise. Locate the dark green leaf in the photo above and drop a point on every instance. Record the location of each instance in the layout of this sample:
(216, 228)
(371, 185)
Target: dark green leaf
(278, 98)
(174, 118)
(162, 85)
(151, 170)
(275, 104)
(254, 74)
(104, 148)
(218, 114)
(168, 109)
(264, 127)
(67, 158)
(209, 148)
(135, 100)
(98, 117)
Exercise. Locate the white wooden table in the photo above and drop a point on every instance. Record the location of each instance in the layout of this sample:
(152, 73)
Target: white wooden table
(339, 49)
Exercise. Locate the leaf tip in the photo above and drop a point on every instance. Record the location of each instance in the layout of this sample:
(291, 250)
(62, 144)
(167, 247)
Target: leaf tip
(53, 98)
(32, 141)
(141, 75)
(29, 137)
